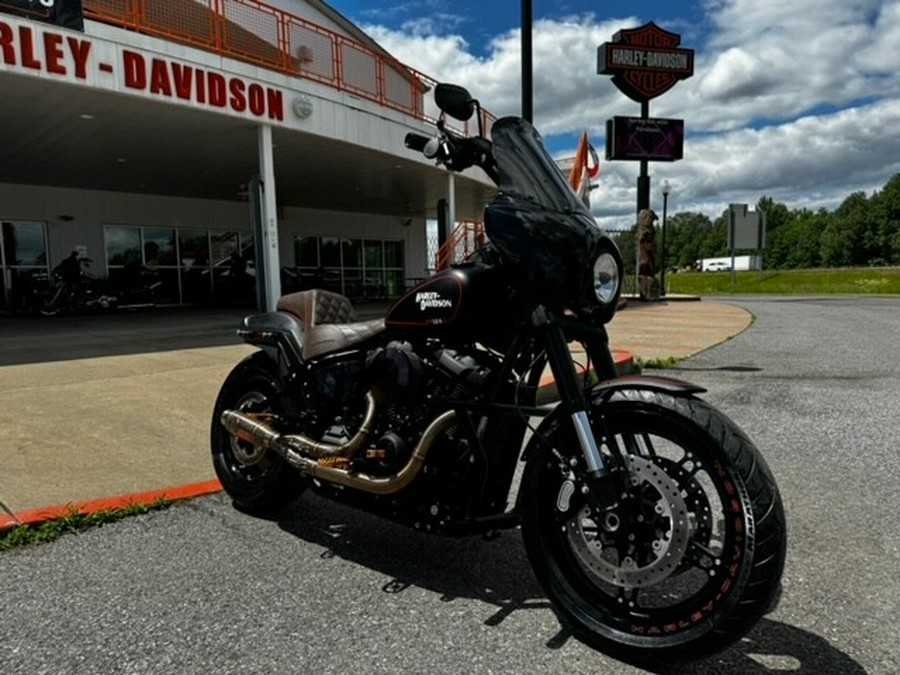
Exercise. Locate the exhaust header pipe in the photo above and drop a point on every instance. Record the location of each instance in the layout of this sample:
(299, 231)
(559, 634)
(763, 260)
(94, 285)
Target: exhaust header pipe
(302, 453)
(255, 431)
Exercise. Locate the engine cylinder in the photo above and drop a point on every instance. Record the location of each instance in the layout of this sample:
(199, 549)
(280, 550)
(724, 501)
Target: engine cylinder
(395, 374)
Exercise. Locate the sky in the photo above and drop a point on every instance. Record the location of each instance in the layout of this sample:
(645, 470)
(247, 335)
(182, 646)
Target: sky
(797, 100)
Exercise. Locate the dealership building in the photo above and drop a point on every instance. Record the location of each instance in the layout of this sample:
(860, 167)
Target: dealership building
(175, 133)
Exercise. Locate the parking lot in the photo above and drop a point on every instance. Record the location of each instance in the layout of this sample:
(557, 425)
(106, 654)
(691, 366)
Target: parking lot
(201, 587)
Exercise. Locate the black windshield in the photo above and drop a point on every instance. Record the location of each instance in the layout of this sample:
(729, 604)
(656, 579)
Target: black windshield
(526, 169)
(537, 222)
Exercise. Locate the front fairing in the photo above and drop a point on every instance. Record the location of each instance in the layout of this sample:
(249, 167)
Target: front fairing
(537, 222)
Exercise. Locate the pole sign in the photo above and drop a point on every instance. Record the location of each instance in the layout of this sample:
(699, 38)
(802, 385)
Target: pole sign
(638, 138)
(65, 13)
(747, 229)
(645, 62)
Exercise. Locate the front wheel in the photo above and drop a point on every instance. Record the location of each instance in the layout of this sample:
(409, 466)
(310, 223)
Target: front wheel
(51, 302)
(258, 480)
(692, 557)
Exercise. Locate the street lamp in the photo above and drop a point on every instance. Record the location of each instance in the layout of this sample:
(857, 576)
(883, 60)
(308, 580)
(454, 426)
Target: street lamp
(662, 275)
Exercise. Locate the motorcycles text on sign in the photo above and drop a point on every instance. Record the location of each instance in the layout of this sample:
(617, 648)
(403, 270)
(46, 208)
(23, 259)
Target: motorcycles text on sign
(651, 521)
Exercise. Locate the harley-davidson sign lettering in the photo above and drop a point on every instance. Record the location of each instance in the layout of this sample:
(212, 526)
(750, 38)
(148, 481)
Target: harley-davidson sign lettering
(645, 62)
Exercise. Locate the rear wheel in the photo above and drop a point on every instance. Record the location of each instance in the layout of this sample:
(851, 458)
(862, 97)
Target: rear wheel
(258, 480)
(693, 556)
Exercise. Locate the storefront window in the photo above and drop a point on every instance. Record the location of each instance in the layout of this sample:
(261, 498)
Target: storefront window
(358, 268)
(159, 247)
(192, 265)
(196, 276)
(330, 252)
(352, 253)
(23, 262)
(123, 245)
(393, 254)
(306, 251)
(24, 244)
(374, 254)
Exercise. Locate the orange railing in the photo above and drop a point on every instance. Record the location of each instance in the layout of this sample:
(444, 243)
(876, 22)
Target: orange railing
(467, 238)
(252, 31)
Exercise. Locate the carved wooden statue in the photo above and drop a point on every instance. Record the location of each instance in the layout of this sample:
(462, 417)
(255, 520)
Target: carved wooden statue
(648, 256)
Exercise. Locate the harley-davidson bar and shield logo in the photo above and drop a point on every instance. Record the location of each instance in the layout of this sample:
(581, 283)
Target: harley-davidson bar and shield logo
(645, 62)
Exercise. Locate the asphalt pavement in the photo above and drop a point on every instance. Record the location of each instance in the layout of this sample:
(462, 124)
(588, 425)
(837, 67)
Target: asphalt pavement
(202, 587)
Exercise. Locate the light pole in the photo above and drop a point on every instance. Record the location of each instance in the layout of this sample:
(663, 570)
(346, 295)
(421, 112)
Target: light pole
(662, 275)
(527, 62)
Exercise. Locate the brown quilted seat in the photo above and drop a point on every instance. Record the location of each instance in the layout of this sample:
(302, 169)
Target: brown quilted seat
(329, 321)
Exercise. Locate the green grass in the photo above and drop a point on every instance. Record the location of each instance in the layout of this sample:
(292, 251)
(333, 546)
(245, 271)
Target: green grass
(875, 281)
(74, 521)
(656, 364)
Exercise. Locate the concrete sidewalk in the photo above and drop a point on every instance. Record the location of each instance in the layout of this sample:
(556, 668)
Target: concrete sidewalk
(103, 431)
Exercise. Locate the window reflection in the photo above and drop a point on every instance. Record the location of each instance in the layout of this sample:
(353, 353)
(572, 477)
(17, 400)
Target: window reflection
(192, 265)
(23, 262)
(358, 268)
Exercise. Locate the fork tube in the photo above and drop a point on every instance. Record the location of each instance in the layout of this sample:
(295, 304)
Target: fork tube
(572, 397)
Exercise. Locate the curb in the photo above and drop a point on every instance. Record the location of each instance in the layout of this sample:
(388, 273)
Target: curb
(624, 365)
(43, 515)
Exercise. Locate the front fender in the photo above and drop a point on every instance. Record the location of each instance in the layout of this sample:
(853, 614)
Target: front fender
(601, 392)
(668, 385)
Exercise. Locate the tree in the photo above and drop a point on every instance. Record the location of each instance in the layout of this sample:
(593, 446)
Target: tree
(777, 214)
(886, 214)
(684, 235)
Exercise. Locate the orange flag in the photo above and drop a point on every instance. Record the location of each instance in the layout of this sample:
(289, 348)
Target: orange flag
(582, 170)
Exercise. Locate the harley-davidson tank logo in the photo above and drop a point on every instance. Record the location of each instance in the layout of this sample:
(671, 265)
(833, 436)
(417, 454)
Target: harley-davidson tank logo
(645, 62)
(431, 300)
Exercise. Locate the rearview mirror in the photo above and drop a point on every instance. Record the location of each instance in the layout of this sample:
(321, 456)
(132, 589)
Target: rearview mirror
(455, 101)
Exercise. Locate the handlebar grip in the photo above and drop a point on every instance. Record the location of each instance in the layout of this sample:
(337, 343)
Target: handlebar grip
(416, 141)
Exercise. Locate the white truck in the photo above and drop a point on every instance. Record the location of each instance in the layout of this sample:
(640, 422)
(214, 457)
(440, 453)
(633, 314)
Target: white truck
(741, 263)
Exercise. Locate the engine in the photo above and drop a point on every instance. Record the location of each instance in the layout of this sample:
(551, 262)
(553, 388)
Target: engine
(410, 391)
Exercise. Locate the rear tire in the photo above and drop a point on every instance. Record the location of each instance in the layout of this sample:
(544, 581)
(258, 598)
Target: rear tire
(694, 564)
(258, 480)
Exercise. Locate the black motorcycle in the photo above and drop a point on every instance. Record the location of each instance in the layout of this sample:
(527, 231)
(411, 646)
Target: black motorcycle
(74, 290)
(650, 519)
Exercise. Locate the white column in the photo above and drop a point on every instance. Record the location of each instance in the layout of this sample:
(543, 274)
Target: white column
(451, 204)
(270, 275)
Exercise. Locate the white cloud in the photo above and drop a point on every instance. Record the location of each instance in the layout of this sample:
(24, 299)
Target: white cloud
(765, 111)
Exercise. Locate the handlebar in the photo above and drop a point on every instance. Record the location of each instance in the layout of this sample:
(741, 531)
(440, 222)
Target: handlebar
(415, 141)
(456, 153)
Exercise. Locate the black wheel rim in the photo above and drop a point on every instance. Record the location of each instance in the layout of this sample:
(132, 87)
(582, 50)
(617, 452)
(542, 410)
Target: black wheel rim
(619, 584)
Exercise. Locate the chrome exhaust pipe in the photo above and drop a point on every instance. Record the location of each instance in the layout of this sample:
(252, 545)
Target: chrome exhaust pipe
(256, 431)
(292, 447)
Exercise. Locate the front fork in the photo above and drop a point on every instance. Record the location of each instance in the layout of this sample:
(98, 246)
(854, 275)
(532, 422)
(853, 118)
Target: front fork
(601, 477)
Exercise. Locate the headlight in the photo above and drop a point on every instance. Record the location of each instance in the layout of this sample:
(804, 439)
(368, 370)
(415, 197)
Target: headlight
(606, 278)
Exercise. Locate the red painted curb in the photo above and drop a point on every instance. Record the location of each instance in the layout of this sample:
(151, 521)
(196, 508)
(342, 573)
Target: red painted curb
(624, 366)
(39, 516)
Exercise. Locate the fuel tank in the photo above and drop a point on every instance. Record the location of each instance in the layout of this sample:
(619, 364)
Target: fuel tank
(469, 301)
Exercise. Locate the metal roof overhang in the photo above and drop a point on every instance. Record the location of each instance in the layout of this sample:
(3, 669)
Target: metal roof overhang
(59, 134)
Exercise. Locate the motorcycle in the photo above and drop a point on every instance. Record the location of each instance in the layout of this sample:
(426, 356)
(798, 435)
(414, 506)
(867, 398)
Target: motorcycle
(74, 290)
(652, 522)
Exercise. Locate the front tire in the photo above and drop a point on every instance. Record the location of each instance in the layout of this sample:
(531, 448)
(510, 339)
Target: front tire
(692, 562)
(258, 480)
(50, 304)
